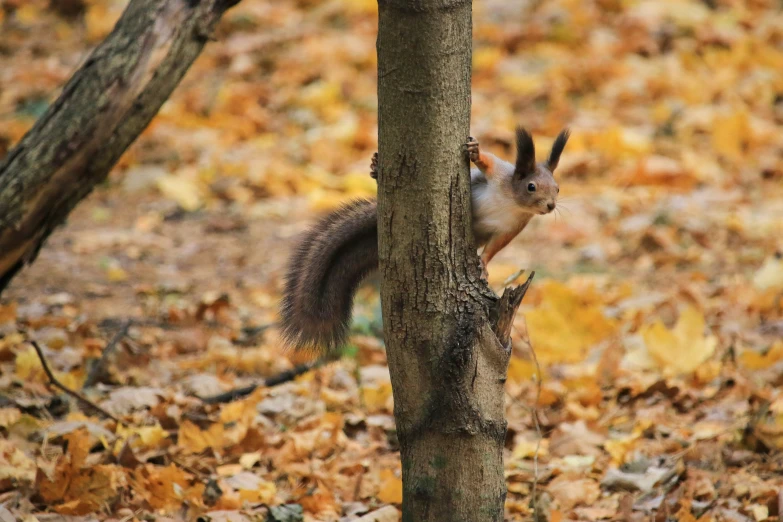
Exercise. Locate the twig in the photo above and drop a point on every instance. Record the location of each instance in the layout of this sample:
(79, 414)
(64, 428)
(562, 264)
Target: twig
(538, 430)
(231, 395)
(539, 433)
(275, 380)
(251, 333)
(53, 380)
(100, 368)
(513, 277)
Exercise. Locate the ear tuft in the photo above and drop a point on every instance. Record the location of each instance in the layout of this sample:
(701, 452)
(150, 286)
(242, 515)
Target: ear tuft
(557, 149)
(526, 153)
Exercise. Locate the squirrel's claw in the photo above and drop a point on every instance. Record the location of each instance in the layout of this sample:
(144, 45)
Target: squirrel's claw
(484, 271)
(374, 166)
(473, 149)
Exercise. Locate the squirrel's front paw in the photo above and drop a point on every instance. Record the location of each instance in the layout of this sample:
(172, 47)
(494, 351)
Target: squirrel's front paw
(473, 149)
(484, 271)
(374, 166)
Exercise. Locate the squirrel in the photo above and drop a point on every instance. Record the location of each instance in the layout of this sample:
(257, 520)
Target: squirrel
(341, 249)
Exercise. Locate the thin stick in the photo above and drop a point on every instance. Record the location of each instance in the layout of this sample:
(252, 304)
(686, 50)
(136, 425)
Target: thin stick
(101, 367)
(538, 430)
(534, 493)
(282, 377)
(53, 380)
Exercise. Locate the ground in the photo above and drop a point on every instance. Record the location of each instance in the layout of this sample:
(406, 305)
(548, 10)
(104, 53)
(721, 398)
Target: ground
(656, 313)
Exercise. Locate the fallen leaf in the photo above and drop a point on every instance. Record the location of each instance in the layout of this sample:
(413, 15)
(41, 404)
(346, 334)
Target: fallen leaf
(753, 360)
(185, 192)
(385, 514)
(15, 464)
(252, 488)
(77, 488)
(391, 488)
(565, 325)
(570, 492)
(682, 349)
(645, 480)
(167, 487)
(193, 439)
(286, 513)
(770, 275)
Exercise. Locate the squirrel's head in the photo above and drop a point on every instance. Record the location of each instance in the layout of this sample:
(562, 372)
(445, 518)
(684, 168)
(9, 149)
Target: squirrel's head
(534, 183)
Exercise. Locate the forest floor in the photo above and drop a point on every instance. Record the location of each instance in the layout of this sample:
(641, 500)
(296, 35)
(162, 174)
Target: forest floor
(656, 313)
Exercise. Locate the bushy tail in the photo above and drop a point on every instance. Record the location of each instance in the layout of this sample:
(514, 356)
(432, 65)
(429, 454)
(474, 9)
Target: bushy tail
(335, 255)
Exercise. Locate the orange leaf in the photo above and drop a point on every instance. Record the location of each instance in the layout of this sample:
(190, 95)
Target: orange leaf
(195, 440)
(391, 488)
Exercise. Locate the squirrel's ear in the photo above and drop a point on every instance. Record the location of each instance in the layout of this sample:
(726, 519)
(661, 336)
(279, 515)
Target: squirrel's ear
(526, 153)
(557, 149)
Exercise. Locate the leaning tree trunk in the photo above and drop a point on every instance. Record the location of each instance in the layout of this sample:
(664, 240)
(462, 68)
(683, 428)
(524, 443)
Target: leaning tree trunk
(102, 109)
(447, 334)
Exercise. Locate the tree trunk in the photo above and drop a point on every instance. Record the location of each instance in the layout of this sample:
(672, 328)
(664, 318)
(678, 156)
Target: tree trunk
(107, 103)
(446, 332)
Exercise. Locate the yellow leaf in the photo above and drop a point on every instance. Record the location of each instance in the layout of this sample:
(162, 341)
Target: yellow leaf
(193, 439)
(523, 84)
(28, 365)
(185, 192)
(140, 437)
(376, 398)
(100, 20)
(243, 411)
(248, 460)
(499, 272)
(618, 448)
(15, 464)
(321, 96)
(760, 512)
(73, 380)
(9, 416)
(361, 6)
(28, 13)
(566, 324)
(526, 449)
(116, 273)
(728, 133)
(391, 488)
(770, 275)
(520, 370)
(770, 432)
(682, 349)
(486, 58)
(324, 200)
(756, 361)
(359, 185)
(264, 493)
(167, 488)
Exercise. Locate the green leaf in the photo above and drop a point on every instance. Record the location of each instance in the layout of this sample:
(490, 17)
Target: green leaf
(286, 513)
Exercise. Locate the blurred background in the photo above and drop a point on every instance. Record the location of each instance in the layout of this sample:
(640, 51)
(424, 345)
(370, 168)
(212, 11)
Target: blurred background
(657, 308)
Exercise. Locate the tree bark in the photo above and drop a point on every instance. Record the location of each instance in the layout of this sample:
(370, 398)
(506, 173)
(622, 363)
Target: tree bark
(107, 103)
(446, 332)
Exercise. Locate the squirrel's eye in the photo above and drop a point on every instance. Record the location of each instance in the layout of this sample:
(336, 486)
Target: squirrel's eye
(558, 190)
(531, 187)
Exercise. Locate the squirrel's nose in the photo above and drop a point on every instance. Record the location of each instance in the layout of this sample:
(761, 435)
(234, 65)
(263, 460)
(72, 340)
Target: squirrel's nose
(550, 206)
